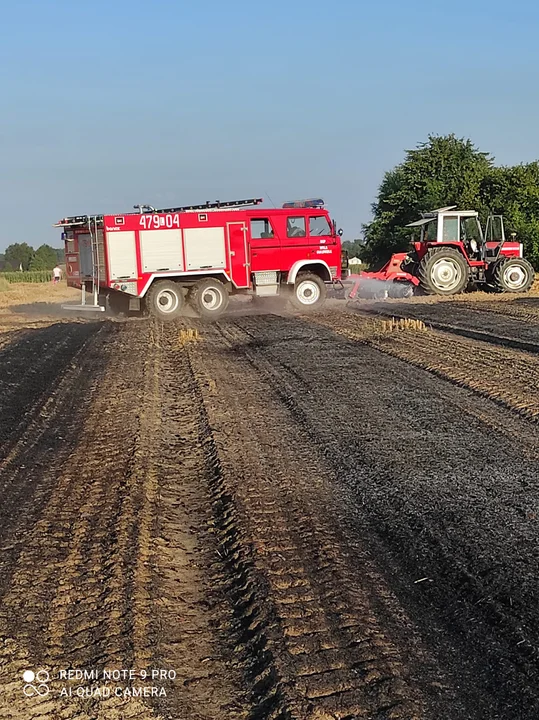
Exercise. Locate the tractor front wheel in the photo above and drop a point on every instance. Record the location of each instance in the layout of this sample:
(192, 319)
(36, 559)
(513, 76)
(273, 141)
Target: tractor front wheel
(443, 271)
(513, 275)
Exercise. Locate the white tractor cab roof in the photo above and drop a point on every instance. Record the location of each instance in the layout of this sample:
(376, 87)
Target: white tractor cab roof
(448, 224)
(435, 214)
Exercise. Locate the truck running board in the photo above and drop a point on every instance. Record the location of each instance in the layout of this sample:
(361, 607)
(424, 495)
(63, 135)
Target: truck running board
(93, 306)
(87, 307)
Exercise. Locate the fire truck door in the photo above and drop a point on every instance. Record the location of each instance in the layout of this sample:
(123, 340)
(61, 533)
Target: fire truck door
(238, 258)
(72, 258)
(85, 255)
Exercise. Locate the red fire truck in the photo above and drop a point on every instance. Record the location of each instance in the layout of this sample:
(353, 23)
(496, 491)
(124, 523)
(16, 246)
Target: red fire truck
(157, 260)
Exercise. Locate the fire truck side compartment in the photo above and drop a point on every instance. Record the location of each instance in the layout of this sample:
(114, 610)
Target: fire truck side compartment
(161, 250)
(204, 248)
(122, 255)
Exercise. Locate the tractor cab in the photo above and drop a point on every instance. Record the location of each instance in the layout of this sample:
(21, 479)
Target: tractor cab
(451, 226)
(462, 227)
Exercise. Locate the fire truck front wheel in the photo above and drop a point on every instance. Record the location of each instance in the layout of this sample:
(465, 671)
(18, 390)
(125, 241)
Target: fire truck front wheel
(309, 292)
(209, 298)
(165, 300)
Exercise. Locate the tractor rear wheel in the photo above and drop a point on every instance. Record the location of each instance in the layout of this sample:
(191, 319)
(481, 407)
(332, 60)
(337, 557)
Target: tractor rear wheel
(309, 292)
(513, 275)
(165, 300)
(443, 271)
(209, 298)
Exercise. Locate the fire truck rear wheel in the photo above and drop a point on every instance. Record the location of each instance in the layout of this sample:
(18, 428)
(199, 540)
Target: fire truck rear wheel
(513, 275)
(309, 292)
(165, 300)
(209, 298)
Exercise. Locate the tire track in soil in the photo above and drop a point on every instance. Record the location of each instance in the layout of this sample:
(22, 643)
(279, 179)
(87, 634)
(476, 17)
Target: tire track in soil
(459, 508)
(109, 576)
(310, 626)
(449, 357)
(51, 417)
(524, 309)
(57, 611)
(195, 634)
(30, 366)
(500, 322)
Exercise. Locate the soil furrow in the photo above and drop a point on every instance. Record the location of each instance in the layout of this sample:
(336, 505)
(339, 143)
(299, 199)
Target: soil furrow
(507, 322)
(293, 518)
(433, 479)
(104, 579)
(282, 509)
(472, 364)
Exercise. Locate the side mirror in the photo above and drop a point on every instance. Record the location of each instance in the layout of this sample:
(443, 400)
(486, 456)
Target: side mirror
(340, 233)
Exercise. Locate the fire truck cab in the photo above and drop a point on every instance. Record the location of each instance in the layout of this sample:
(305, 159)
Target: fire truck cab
(159, 260)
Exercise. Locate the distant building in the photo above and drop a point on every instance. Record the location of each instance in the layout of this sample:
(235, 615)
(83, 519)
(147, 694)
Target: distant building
(354, 261)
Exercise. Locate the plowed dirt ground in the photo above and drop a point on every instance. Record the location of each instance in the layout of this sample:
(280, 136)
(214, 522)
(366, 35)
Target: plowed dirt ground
(304, 517)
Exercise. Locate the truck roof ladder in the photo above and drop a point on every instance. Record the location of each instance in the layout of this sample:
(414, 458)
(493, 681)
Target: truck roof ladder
(145, 209)
(217, 205)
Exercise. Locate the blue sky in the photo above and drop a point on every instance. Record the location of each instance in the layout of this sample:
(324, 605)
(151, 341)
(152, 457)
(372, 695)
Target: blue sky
(108, 104)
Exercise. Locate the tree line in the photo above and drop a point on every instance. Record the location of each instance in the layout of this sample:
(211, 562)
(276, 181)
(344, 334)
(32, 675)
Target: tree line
(447, 170)
(21, 256)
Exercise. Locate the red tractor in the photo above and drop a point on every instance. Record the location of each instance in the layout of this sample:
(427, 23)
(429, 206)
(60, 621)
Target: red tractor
(451, 254)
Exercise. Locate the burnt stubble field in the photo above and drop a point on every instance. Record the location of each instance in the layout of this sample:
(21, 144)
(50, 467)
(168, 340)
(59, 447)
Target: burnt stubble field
(304, 517)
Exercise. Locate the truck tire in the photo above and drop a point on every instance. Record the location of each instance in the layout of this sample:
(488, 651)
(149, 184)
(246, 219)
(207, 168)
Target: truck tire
(513, 275)
(209, 298)
(309, 292)
(443, 271)
(165, 300)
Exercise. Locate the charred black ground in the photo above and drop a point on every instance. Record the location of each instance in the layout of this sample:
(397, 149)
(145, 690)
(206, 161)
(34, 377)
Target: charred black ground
(306, 517)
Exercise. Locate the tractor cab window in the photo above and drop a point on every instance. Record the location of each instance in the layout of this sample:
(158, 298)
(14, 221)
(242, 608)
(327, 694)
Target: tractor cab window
(469, 230)
(451, 229)
(295, 227)
(430, 232)
(471, 236)
(261, 228)
(494, 231)
(319, 226)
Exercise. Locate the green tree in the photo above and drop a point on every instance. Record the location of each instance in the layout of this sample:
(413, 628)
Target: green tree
(19, 254)
(45, 258)
(446, 170)
(353, 247)
(514, 193)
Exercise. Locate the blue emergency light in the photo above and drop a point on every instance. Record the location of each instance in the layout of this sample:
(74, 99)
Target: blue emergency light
(311, 203)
